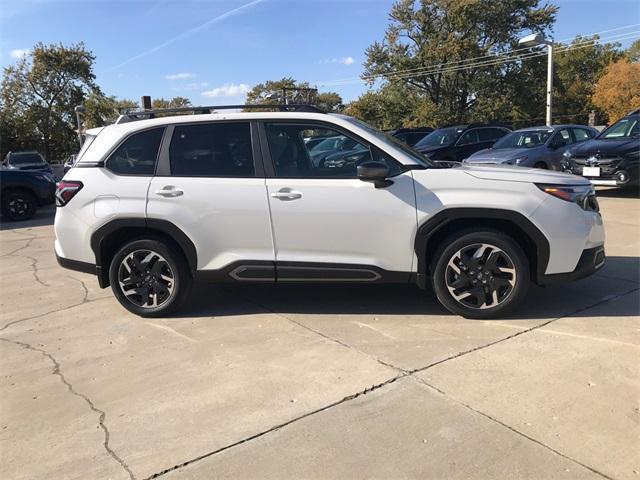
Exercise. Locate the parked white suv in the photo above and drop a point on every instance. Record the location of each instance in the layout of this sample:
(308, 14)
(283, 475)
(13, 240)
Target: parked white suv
(153, 204)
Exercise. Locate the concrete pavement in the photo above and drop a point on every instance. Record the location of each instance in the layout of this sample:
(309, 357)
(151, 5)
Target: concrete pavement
(318, 381)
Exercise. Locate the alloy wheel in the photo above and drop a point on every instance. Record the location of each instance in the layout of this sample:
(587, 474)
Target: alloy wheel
(146, 279)
(480, 276)
(18, 206)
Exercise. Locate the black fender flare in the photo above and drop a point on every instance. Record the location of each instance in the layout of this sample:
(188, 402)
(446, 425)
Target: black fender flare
(150, 224)
(428, 229)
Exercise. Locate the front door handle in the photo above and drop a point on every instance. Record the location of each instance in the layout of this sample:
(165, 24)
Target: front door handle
(169, 191)
(286, 194)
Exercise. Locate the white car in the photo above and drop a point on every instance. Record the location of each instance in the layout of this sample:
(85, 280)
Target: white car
(154, 204)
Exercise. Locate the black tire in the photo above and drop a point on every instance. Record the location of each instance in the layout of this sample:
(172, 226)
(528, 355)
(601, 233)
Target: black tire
(471, 284)
(18, 205)
(147, 283)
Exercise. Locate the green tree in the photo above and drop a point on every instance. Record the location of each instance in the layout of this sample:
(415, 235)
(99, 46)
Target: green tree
(38, 96)
(426, 38)
(175, 102)
(633, 52)
(102, 110)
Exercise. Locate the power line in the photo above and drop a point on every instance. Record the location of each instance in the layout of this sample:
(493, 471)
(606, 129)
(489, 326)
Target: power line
(493, 59)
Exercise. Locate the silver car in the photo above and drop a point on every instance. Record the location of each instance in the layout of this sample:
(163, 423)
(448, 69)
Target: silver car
(538, 147)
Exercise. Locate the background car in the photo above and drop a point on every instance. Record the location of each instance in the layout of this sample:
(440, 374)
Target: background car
(455, 143)
(26, 161)
(411, 136)
(21, 192)
(612, 158)
(538, 147)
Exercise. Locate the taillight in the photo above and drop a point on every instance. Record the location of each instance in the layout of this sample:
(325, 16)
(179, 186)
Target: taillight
(65, 191)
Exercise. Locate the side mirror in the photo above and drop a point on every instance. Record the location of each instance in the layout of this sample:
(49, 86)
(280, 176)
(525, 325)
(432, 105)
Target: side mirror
(374, 172)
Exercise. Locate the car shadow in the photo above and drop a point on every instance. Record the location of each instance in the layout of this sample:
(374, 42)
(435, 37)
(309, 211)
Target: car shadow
(222, 300)
(44, 216)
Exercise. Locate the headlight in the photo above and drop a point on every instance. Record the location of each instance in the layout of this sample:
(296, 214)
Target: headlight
(516, 161)
(583, 195)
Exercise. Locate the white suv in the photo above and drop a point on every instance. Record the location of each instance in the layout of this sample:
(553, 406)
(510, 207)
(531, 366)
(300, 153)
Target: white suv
(153, 204)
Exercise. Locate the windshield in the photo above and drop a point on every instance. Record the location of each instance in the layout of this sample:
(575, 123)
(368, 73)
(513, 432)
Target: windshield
(440, 138)
(626, 128)
(25, 159)
(385, 137)
(525, 139)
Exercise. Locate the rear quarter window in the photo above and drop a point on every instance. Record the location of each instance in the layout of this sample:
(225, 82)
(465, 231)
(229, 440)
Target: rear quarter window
(137, 155)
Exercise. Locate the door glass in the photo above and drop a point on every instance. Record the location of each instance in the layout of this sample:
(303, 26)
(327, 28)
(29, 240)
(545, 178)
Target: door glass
(301, 151)
(562, 138)
(468, 138)
(212, 150)
(581, 134)
(491, 134)
(137, 155)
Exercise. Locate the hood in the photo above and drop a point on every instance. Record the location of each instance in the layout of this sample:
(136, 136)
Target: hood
(510, 173)
(606, 147)
(490, 155)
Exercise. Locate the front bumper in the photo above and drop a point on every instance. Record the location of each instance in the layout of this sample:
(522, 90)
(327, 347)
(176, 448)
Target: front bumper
(591, 260)
(614, 172)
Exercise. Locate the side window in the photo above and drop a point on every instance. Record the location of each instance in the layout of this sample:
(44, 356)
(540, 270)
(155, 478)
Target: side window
(212, 150)
(137, 155)
(562, 138)
(469, 137)
(297, 153)
(581, 134)
(491, 134)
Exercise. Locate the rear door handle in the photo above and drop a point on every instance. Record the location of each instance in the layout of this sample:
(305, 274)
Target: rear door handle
(286, 194)
(169, 191)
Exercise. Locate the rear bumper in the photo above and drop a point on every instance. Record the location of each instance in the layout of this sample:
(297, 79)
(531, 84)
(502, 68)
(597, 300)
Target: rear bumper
(76, 265)
(591, 260)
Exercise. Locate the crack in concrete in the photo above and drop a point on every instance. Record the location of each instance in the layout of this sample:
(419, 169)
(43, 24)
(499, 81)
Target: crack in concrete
(13, 252)
(510, 428)
(323, 335)
(34, 268)
(277, 427)
(403, 374)
(101, 413)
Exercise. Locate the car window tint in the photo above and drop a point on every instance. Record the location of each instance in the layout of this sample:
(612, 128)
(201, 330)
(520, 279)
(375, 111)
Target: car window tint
(296, 154)
(562, 138)
(212, 150)
(581, 134)
(137, 155)
(469, 137)
(491, 134)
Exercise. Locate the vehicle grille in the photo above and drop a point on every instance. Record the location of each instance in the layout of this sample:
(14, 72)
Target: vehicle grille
(603, 160)
(608, 164)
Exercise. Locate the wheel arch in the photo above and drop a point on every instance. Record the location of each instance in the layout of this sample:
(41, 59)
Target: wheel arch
(109, 237)
(436, 229)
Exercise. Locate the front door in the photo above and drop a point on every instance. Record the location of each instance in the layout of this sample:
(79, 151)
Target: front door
(327, 224)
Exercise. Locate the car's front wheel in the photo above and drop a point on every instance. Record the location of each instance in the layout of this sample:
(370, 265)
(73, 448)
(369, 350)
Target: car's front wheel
(149, 278)
(482, 274)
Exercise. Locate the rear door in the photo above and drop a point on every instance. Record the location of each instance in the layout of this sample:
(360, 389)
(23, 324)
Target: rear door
(329, 225)
(210, 184)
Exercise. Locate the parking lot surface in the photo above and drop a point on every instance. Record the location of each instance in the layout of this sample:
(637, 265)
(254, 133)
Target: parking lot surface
(318, 381)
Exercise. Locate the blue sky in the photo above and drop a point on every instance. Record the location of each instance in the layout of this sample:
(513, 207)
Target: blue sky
(212, 51)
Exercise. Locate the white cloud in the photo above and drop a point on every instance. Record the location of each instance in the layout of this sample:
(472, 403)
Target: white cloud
(342, 60)
(19, 53)
(227, 90)
(180, 76)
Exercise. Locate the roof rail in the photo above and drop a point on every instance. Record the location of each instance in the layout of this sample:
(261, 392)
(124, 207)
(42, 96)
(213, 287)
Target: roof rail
(133, 115)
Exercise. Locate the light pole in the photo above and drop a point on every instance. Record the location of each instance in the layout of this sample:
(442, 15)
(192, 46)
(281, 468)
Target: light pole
(534, 40)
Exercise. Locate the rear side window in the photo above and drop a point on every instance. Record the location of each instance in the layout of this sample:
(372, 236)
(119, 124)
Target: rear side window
(469, 137)
(137, 155)
(212, 150)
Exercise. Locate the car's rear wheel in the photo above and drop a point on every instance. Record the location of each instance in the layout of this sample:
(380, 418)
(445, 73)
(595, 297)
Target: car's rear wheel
(149, 279)
(18, 205)
(482, 274)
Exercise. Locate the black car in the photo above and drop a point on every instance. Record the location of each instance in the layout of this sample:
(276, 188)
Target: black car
(21, 192)
(455, 143)
(411, 136)
(612, 158)
(26, 161)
